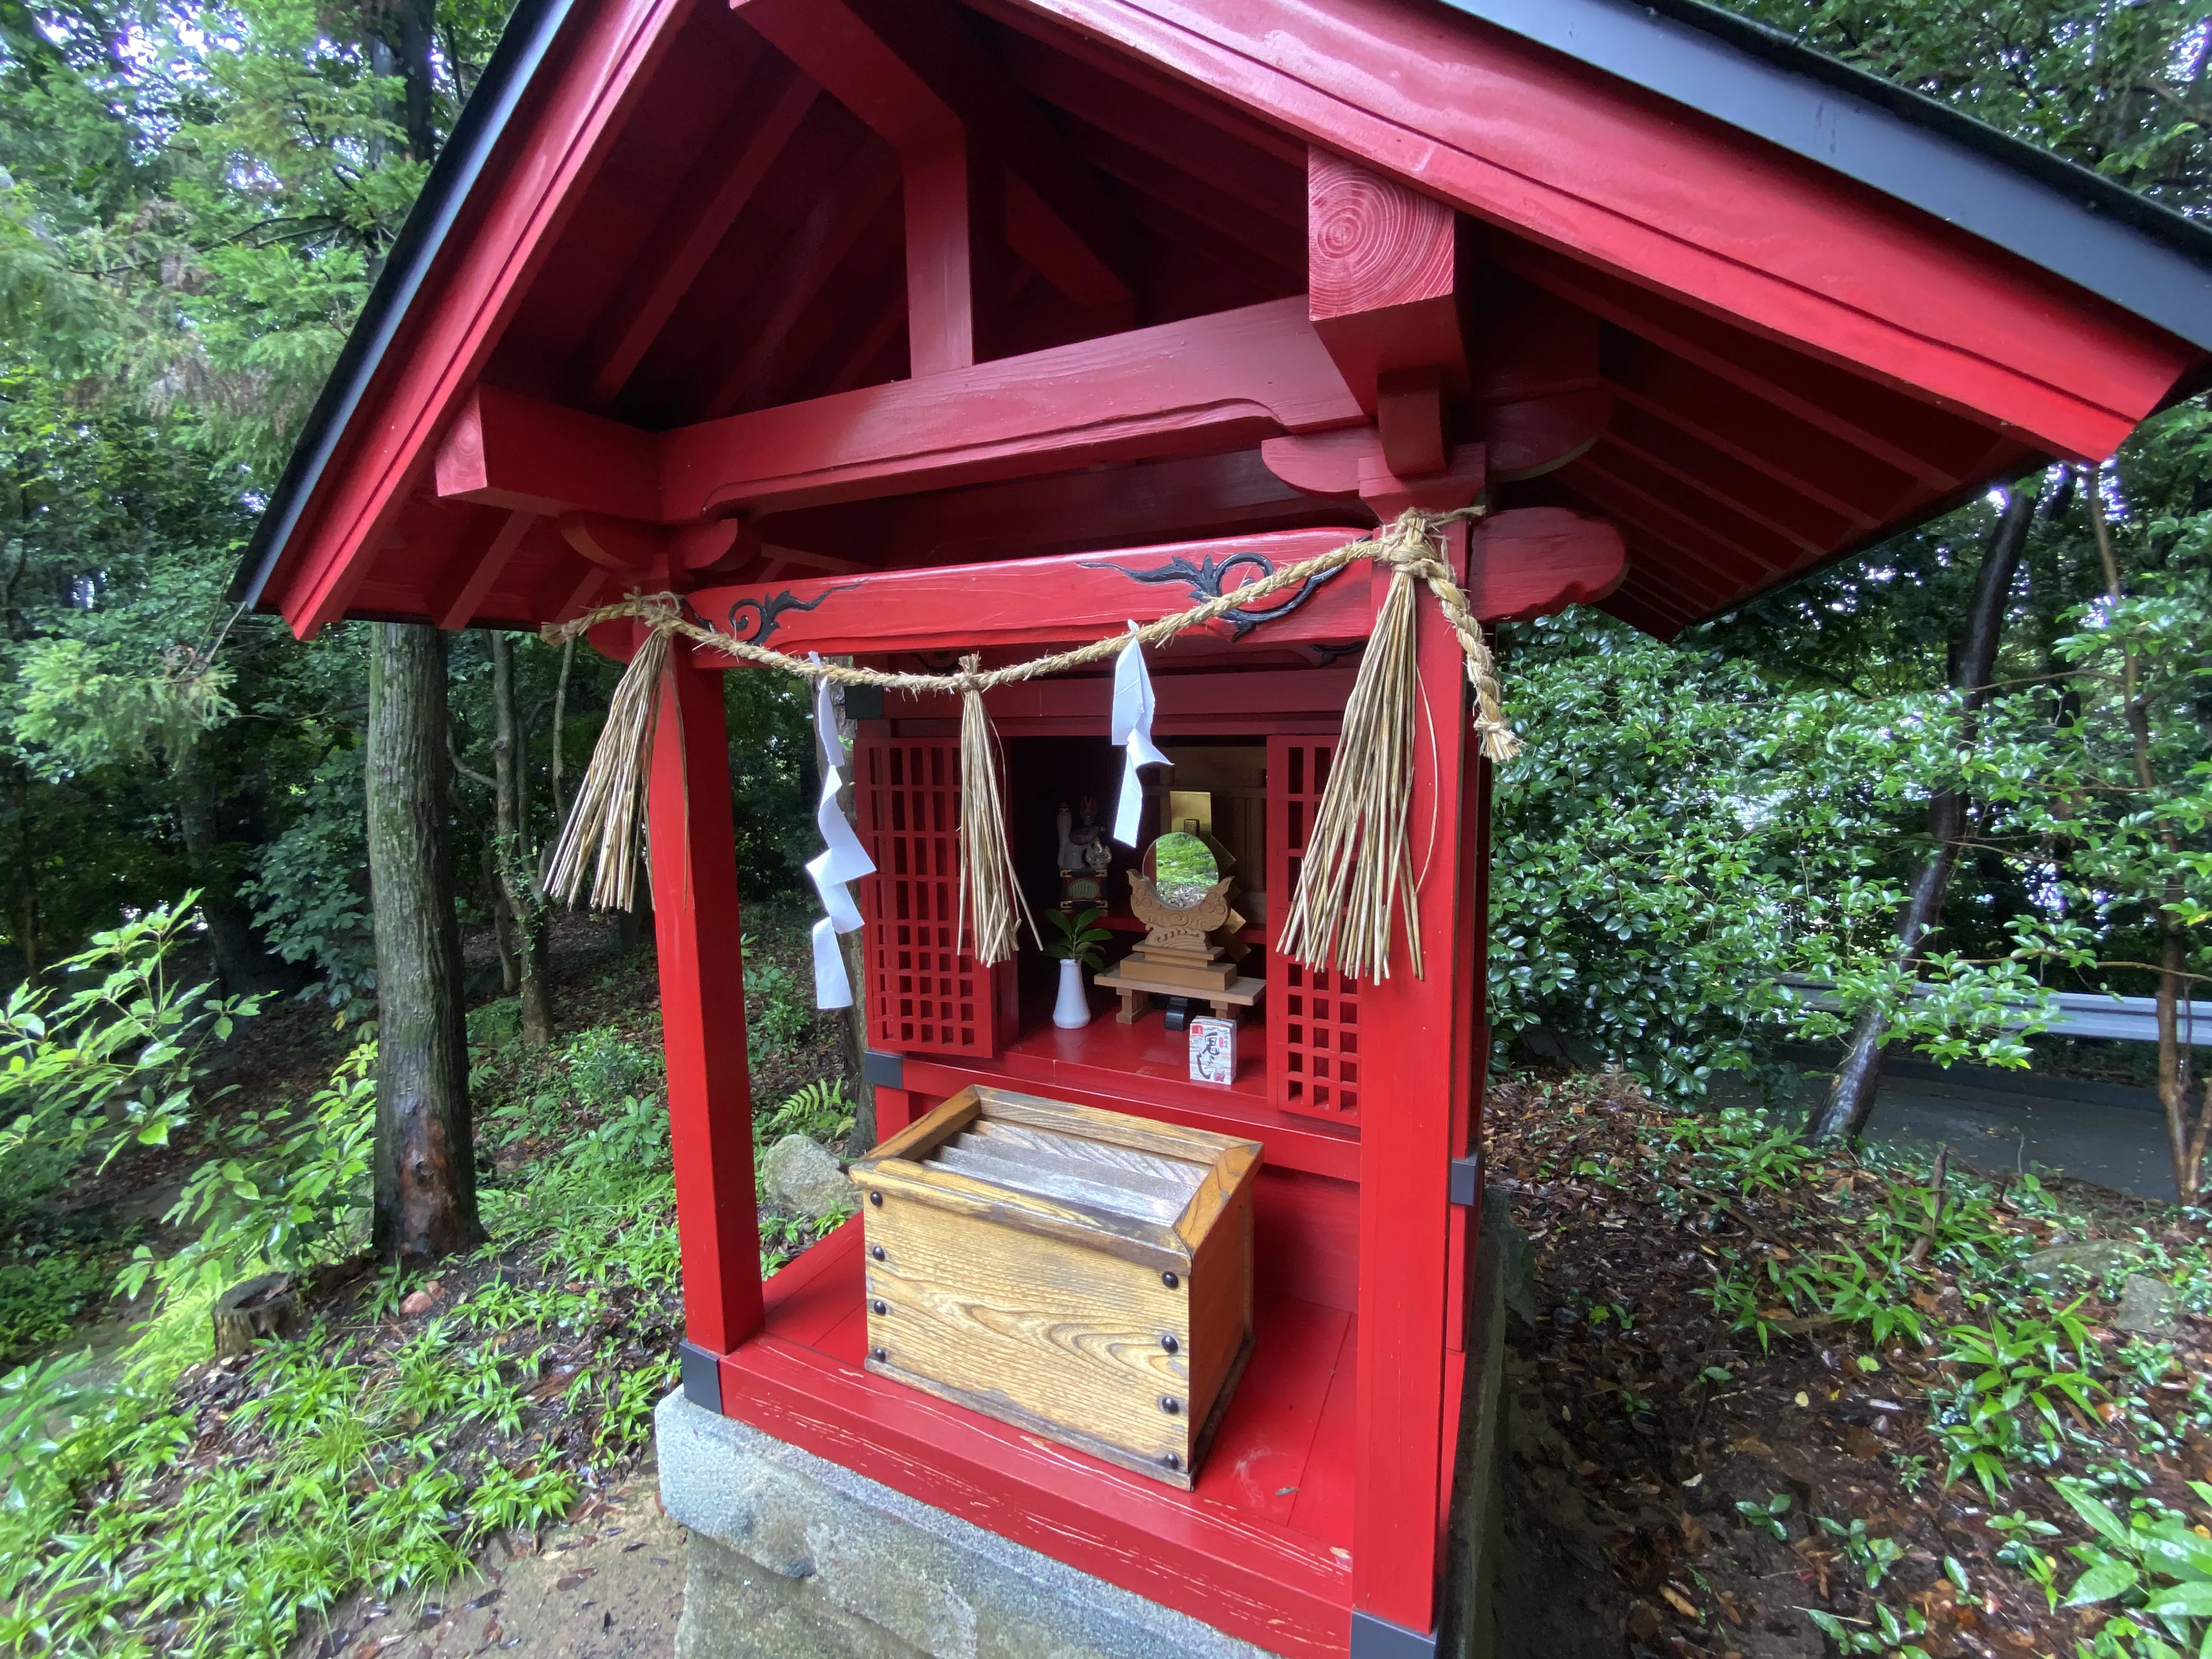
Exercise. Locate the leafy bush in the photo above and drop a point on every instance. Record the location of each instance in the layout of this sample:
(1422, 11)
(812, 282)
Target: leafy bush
(606, 1067)
(818, 1110)
(1679, 831)
(2154, 1565)
(2018, 1373)
(787, 1013)
(114, 1062)
(288, 1190)
(310, 885)
(42, 1297)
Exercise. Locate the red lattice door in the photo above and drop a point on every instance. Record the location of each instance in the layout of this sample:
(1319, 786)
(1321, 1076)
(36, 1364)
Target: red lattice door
(1313, 1016)
(926, 992)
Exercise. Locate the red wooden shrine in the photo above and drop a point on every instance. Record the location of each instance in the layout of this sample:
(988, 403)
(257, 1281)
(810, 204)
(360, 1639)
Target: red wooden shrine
(905, 327)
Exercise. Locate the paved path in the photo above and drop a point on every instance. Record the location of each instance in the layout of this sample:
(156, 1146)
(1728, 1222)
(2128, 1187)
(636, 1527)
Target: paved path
(2016, 1121)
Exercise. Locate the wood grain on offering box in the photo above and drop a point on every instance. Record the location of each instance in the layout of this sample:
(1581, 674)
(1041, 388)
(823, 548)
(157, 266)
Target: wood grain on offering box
(1080, 1273)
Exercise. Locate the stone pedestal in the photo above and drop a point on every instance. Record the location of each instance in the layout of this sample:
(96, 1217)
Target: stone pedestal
(791, 1557)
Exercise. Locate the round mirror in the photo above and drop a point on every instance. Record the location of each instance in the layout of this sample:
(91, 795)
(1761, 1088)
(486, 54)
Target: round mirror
(1183, 869)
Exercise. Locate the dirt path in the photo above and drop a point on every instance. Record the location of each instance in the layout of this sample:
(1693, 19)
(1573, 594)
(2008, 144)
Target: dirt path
(608, 1585)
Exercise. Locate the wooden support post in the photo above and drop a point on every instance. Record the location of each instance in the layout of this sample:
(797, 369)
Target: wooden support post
(1406, 1025)
(957, 271)
(702, 1002)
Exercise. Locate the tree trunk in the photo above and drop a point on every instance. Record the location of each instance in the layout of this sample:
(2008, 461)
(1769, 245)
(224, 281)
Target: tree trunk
(1843, 1114)
(502, 918)
(426, 1181)
(246, 965)
(517, 861)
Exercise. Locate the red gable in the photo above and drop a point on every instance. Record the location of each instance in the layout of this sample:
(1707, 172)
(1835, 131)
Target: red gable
(821, 285)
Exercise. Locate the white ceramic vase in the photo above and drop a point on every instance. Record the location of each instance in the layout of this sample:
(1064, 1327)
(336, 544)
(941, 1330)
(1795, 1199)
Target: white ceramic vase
(1073, 1011)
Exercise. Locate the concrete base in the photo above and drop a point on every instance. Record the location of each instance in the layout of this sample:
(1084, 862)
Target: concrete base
(791, 1557)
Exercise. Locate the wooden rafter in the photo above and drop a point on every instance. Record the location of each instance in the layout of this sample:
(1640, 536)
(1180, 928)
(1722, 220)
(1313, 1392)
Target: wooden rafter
(764, 115)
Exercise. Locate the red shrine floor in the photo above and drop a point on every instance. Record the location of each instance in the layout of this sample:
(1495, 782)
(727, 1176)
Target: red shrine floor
(1261, 1547)
(1282, 1453)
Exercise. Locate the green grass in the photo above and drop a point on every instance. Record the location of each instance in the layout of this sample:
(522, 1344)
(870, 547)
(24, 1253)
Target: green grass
(208, 1508)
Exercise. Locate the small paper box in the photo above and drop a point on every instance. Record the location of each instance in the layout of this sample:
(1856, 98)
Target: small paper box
(1212, 1050)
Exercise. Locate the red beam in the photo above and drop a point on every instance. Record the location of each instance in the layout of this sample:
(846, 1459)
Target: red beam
(1534, 561)
(958, 266)
(735, 158)
(1209, 383)
(1381, 268)
(529, 456)
(1629, 182)
(1093, 594)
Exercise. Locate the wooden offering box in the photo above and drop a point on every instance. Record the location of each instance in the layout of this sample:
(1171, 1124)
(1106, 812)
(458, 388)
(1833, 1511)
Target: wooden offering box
(1079, 1273)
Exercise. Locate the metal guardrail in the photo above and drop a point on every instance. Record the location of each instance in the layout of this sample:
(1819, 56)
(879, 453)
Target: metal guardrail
(2082, 1014)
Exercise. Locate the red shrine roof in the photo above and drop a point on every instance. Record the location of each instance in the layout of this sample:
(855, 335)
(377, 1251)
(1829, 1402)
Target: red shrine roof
(652, 313)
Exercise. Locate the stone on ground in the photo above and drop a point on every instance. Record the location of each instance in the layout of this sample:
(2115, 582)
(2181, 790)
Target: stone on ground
(803, 1179)
(2095, 1257)
(2148, 1307)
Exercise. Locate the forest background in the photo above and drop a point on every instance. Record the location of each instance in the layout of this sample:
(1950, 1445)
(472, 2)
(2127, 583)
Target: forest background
(195, 199)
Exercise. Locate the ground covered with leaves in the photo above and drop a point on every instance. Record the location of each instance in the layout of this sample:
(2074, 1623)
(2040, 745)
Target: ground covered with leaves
(248, 1505)
(1805, 1402)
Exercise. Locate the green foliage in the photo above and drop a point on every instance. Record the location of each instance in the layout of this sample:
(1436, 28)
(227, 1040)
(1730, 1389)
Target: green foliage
(1888, 1632)
(2154, 1565)
(606, 1066)
(1680, 830)
(818, 1110)
(375, 1465)
(288, 1190)
(1871, 1557)
(1077, 937)
(43, 1297)
(1767, 1516)
(112, 1063)
(2005, 1406)
(786, 1009)
(310, 884)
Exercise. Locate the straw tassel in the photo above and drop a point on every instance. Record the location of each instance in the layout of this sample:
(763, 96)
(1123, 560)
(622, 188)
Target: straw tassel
(1358, 859)
(989, 892)
(609, 803)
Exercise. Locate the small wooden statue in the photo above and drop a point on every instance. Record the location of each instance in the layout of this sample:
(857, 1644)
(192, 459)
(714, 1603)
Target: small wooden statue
(1085, 857)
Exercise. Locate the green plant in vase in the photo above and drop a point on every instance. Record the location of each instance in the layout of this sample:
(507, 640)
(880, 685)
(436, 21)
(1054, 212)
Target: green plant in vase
(1074, 942)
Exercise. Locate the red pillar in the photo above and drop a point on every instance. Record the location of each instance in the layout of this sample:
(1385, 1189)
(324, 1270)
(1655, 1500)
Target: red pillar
(702, 1007)
(1419, 1031)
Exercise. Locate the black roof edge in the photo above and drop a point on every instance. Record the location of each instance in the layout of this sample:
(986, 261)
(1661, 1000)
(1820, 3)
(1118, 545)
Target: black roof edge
(2091, 230)
(523, 44)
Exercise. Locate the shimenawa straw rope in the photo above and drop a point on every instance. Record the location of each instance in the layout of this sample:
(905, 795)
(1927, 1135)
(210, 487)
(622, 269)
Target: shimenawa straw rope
(1357, 864)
